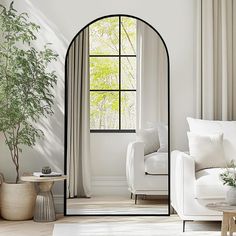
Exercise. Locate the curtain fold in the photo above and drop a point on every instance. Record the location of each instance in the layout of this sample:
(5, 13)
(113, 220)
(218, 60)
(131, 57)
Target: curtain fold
(216, 82)
(152, 78)
(78, 125)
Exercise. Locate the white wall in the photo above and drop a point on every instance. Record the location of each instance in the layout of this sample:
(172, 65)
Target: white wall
(109, 151)
(61, 20)
(108, 155)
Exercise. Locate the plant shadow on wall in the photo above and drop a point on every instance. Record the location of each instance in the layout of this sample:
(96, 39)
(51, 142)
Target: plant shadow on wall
(26, 84)
(51, 147)
(49, 150)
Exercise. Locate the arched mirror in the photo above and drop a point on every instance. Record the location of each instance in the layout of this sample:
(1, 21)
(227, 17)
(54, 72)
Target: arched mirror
(117, 120)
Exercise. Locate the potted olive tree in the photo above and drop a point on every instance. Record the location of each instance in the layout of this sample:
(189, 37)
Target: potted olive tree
(25, 96)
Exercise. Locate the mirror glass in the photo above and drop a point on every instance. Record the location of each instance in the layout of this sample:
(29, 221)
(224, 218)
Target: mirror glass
(116, 118)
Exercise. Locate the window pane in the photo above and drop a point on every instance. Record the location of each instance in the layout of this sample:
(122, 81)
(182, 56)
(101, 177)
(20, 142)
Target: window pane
(104, 73)
(128, 73)
(104, 110)
(128, 110)
(128, 36)
(104, 37)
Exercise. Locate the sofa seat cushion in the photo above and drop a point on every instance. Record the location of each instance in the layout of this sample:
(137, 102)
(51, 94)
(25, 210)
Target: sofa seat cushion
(209, 185)
(156, 163)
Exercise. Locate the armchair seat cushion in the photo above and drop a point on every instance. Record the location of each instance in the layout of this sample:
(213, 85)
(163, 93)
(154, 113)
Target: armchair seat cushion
(156, 163)
(209, 185)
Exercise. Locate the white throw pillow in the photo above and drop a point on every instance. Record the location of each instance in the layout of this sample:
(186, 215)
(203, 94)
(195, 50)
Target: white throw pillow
(204, 127)
(150, 139)
(207, 127)
(207, 151)
(163, 137)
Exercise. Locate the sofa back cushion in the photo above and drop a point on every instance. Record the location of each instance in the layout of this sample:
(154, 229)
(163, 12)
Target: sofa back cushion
(207, 151)
(227, 128)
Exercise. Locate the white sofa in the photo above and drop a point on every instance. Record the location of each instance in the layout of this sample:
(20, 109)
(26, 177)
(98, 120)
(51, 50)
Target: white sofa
(191, 190)
(146, 175)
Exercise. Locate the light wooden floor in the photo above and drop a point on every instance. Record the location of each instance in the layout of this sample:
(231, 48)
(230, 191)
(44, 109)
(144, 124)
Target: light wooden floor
(116, 205)
(171, 224)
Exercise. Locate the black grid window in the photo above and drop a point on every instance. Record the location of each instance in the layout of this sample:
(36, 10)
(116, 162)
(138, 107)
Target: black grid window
(121, 98)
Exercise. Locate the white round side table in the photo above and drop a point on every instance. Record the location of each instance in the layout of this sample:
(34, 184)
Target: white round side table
(44, 205)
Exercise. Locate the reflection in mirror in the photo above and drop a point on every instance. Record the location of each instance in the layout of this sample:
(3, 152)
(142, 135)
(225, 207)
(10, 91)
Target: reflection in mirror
(117, 150)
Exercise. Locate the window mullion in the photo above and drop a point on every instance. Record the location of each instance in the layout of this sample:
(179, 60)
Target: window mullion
(119, 72)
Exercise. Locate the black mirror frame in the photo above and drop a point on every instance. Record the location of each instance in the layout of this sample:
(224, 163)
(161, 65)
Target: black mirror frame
(66, 116)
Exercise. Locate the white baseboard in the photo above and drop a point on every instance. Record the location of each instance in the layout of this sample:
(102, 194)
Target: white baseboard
(109, 185)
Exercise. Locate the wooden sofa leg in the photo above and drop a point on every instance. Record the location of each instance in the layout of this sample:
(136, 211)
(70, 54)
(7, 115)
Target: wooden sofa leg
(131, 195)
(136, 199)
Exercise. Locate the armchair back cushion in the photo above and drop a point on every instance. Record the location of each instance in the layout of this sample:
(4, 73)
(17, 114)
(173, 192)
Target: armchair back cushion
(227, 128)
(150, 139)
(163, 137)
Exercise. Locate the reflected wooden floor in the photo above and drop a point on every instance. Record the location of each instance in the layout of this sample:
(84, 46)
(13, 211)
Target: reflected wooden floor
(116, 205)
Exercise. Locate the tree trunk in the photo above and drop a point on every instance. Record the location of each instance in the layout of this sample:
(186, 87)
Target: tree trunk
(17, 174)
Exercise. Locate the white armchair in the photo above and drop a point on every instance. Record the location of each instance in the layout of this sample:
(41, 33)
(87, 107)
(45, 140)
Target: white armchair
(146, 175)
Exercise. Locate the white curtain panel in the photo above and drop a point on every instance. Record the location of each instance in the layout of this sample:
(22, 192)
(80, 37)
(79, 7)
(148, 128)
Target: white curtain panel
(216, 61)
(78, 125)
(152, 78)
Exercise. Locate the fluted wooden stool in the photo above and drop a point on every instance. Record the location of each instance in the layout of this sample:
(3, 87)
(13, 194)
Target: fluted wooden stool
(229, 216)
(44, 206)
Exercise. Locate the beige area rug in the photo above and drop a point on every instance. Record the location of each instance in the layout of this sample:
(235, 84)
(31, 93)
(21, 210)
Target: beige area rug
(135, 229)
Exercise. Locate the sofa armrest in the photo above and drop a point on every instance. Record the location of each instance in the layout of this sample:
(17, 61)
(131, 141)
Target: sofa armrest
(134, 163)
(182, 179)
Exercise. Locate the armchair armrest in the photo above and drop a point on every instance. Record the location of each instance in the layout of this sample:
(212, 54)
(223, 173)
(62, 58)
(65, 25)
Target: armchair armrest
(134, 163)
